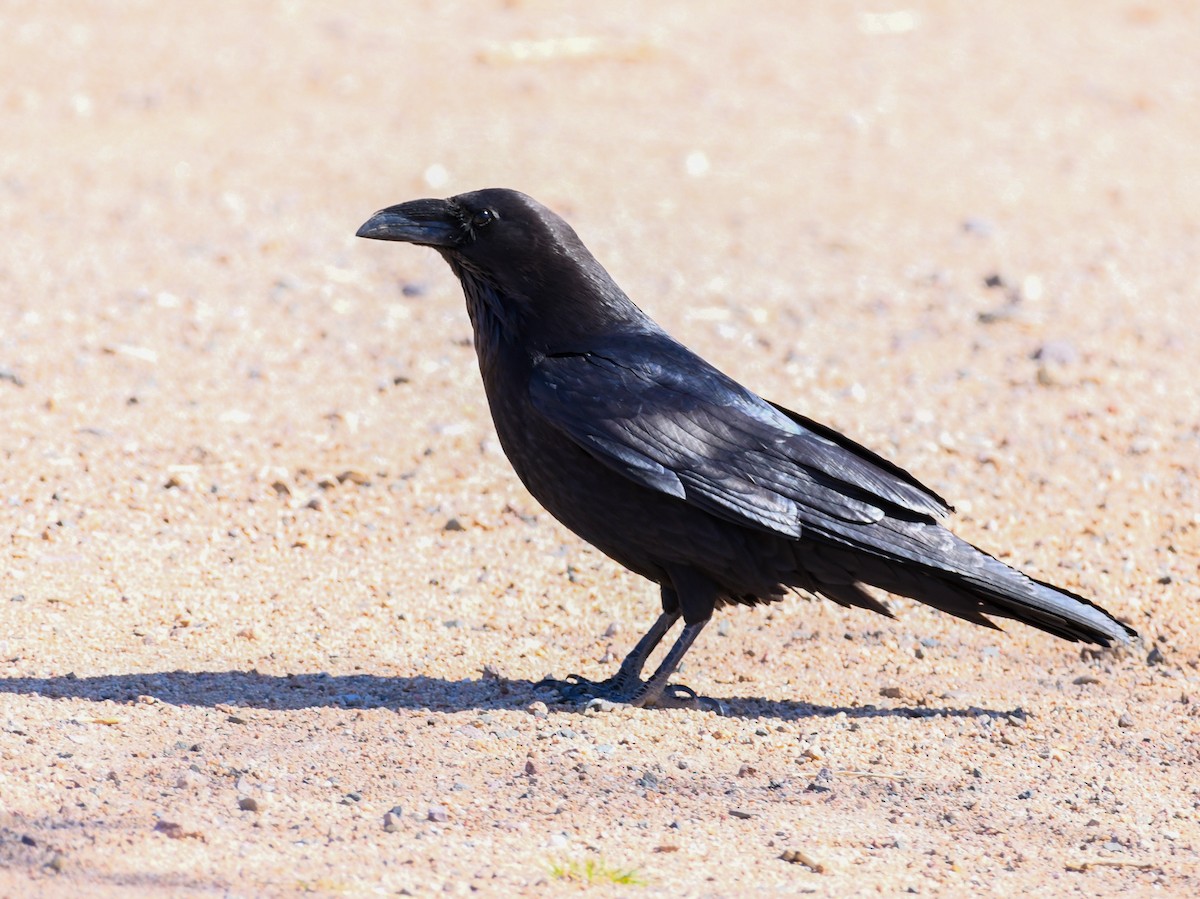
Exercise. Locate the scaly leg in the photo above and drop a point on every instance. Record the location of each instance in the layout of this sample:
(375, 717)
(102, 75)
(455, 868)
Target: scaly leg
(657, 693)
(626, 685)
(686, 589)
(628, 679)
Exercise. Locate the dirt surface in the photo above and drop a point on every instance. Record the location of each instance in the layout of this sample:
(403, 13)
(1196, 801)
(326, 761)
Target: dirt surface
(272, 604)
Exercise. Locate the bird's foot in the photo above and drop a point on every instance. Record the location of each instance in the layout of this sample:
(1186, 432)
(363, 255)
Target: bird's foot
(575, 688)
(616, 691)
(677, 696)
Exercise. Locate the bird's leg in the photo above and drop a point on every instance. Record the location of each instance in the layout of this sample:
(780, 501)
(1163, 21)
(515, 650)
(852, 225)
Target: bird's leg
(656, 692)
(696, 595)
(689, 591)
(628, 678)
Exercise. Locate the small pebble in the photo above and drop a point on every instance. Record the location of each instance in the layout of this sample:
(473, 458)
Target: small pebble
(822, 783)
(599, 704)
(979, 226)
(438, 813)
(175, 831)
(248, 804)
(1056, 352)
(190, 780)
(801, 857)
(1126, 720)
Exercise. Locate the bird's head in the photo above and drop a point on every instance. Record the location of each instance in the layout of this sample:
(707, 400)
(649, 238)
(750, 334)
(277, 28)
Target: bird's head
(470, 225)
(520, 264)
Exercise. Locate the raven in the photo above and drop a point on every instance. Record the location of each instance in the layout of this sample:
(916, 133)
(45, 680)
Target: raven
(680, 473)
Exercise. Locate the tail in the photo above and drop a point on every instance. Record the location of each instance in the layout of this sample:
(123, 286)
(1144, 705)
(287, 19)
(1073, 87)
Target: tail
(928, 563)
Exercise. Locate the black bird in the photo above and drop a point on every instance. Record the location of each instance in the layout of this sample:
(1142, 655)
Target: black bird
(678, 472)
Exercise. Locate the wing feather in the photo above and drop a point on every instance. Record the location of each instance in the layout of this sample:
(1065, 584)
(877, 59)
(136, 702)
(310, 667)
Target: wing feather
(671, 422)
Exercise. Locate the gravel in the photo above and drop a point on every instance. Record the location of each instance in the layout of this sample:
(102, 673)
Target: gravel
(273, 607)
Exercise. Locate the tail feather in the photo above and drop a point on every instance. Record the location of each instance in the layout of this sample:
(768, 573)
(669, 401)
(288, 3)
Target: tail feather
(973, 585)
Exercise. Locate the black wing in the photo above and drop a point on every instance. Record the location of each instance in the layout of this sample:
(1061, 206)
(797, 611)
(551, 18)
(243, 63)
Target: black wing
(658, 414)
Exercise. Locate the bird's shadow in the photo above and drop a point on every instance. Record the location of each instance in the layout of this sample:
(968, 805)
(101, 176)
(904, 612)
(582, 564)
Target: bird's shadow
(253, 690)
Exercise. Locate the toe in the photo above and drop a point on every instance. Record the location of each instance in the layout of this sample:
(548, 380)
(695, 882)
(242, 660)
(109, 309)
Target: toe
(679, 696)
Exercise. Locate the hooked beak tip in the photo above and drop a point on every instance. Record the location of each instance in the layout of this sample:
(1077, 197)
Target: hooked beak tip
(429, 223)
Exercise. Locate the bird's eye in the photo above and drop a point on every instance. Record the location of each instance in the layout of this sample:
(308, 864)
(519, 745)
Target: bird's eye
(483, 218)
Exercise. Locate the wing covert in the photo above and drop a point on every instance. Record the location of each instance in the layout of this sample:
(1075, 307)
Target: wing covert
(689, 431)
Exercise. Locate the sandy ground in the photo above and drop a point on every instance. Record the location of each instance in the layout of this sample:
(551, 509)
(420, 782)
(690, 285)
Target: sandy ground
(272, 604)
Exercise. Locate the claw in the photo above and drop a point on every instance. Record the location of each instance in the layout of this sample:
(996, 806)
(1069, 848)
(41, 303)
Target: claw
(678, 696)
(575, 688)
(600, 704)
(603, 696)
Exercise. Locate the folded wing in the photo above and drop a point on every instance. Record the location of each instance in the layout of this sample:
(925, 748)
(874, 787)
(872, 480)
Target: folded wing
(664, 418)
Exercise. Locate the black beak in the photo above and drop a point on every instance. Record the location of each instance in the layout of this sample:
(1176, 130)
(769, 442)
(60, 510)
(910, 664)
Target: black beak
(427, 223)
